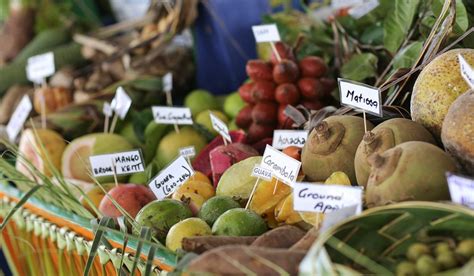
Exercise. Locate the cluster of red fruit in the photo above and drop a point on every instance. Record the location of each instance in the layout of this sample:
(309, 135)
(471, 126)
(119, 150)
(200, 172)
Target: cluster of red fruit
(276, 84)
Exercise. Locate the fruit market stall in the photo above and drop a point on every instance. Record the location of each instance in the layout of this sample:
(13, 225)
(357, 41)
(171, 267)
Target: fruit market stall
(347, 150)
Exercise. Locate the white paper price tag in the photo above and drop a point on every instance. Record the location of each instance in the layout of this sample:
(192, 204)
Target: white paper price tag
(321, 198)
(461, 190)
(281, 165)
(172, 115)
(359, 95)
(121, 103)
(107, 110)
(187, 152)
(286, 138)
(266, 33)
(262, 173)
(220, 127)
(168, 82)
(170, 178)
(40, 67)
(338, 216)
(337, 4)
(466, 71)
(127, 162)
(19, 117)
(363, 8)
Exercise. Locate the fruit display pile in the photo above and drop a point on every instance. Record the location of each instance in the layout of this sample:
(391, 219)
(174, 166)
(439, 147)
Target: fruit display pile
(229, 208)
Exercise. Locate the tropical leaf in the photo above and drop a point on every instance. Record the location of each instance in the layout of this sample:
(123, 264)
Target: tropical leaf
(18, 205)
(105, 221)
(145, 234)
(408, 55)
(360, 67)
(398, 23)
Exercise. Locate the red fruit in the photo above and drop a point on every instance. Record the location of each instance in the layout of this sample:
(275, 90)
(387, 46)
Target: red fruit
(287, 93)
(131, 197)
(259, 70)
(310, 88)
(244, 117)
(284, 122)
(328, 85)
(245, 92)
(258, 132)
(286, 71)
(312, 67)
(263, 91)
(285, 52)
(313, 105)
(265, 113)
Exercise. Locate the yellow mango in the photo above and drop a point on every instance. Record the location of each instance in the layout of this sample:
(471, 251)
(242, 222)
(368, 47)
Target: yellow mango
(267, 195)
(338, 178)
(201, 188)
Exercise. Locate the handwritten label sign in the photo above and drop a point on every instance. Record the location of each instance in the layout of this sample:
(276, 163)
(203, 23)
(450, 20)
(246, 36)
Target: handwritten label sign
(170, 178)
(266, 33)
(40, 67)
(172, 115)
(220, 127)
(262, 173)
(338, 216)
(281, 165)
(320, 198)
(286, 138)
(168, 82)
(187, 152)
(461, 189)
(19, 117)
(466, 71)
(363, 8)
(121, 103)
(127, 162)
(359, 95)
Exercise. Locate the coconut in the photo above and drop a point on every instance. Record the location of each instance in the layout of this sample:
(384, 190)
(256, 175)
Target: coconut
(383, 137)
(410, 171)
(458, 132)
(331, 146)
(436, 88)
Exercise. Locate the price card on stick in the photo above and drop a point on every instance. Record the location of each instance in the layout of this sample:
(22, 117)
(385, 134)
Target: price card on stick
(267, 33)
(121, 103)
(18, 118)
(168, 87)
(121, 163)
(260, 173)
(172, 115)
(321, 198)
(363, 8)
(187, 152)
(461, 189)
(40, 67)
(466, 71)
(171, 178)
(282, 166)
(284, 138)
(221, 128)
(361, 96)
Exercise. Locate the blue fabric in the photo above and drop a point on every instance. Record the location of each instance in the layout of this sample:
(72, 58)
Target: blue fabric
(224, 41)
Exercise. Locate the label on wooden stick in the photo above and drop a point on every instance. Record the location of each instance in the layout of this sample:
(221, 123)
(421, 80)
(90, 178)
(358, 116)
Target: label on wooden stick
(172, 115)
(359, 95)
(171, 178)
(466, 71)
(284, 138)
(461, 189)
(266, 33)
(220, 127)
(127, 162)
(19, 117)
(282, 166)
(121, 103)
(40, 67)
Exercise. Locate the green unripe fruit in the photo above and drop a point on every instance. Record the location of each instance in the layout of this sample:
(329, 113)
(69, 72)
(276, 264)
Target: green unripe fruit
(466, 248)
(447, 260)
(406, 269)
(416, 250)
(442, 247)
(426, 265)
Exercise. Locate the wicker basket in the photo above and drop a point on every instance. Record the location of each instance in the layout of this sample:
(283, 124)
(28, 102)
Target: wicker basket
(42, 239)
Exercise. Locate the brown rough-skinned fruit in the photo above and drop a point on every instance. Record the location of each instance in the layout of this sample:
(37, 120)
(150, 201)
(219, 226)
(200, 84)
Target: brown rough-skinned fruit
(331, 146)
(285, 72)
(287, 93)
(310, 88)
(263, 91)
(436, 88)
(259, 70)
(312, 67)
(258, 132)
(245, 92)
(244, 117)
(285, 52)
(265, 113)
(458, 132)
(386, 136)
(410, 171)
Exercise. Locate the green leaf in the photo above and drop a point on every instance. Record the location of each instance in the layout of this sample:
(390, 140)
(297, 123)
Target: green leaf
(462, 21)
(149, 261)
(19, 204)
(105, 221)
(372, 35)
(407, 56)
(360, 67)
(398, 23)
(145, 234)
